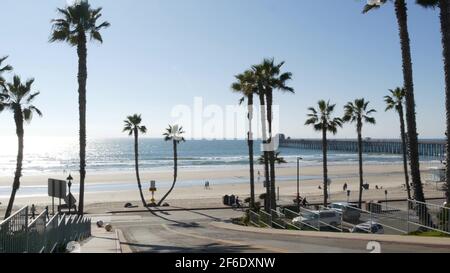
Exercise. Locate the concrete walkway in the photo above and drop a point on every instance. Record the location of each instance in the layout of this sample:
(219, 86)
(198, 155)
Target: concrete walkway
(414, 240)
(101, 241)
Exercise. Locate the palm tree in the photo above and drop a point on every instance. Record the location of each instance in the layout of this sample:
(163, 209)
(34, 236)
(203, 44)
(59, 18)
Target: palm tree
(76, 23)
(6, 68)
(322, 121)
(444, 7)
(133, 127)
(174, 134)
(278, 159)
(271, 78)
(358, 112)
(395, 101)
(246, 85)
(413, 143)
(18, 97)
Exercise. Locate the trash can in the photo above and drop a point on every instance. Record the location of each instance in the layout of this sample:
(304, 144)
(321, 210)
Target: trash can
(226, 200)
(232, 200)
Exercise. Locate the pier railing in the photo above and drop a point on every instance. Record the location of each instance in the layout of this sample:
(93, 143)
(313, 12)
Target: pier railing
(42, 234)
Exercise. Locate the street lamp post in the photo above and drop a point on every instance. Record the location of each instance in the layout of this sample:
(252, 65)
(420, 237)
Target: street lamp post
(298, 182)
(69, 178)
(386, 194)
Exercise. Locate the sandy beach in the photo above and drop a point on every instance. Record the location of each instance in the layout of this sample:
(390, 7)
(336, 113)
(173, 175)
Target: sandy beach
(387, 177)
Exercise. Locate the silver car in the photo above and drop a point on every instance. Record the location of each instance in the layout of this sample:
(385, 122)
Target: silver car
(350, 212)
(311, 219)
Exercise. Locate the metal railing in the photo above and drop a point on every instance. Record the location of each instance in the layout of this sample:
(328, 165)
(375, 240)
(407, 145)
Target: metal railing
(265, 218)
(254, 218)
(42, 235)
(428, 216)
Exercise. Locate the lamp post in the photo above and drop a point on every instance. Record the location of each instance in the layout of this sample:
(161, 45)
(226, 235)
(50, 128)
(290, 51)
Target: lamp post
(298, 182)
(386, 194)
(69, 178)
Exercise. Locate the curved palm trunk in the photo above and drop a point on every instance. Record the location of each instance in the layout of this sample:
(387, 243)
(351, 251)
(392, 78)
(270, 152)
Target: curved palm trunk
(18, 118)
(136, 164)
(250, 151)
(402, 18)
(444, 6)
(82, 78)
(325, 166)
(404, 150)
(266, 154)
(175, 171)
(273, 204)
(360, 159)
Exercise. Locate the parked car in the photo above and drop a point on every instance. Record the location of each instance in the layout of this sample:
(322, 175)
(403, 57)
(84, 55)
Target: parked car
(350, 212)
(368, 227)
(327, 218)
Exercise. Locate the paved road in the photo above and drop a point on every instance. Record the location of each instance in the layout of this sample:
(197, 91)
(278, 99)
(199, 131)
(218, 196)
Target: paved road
(190, 231)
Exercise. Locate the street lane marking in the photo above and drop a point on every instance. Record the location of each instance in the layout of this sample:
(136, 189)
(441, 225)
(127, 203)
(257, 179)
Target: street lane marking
(226, 242)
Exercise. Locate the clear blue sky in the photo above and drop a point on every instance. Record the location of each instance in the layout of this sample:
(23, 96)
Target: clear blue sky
(159, 53)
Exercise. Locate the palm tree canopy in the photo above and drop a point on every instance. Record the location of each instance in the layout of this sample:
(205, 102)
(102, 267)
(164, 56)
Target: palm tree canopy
(18, 95)
(75, 19)
(134, 123)
(277, 159)
(245, 84)
(174, 133)
(321, 118)
(268, 75)
(3, 69)
(373, 4)
(428, 3)
(358, 111)
(396, 99)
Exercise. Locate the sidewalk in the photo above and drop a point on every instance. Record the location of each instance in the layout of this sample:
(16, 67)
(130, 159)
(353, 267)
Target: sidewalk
(101, 242)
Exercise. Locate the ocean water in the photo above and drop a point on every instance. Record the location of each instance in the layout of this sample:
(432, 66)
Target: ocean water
(50, 156)
(60, 155)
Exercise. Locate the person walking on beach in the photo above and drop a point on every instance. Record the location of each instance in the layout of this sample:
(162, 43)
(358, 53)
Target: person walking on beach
(345, 186)
(33, 211)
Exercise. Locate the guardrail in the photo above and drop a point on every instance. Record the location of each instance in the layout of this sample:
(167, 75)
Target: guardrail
(428, 216)
(42, 235)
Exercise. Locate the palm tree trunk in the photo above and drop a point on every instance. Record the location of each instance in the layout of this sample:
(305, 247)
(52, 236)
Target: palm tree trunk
(325, 166)
(404, 148)
(18, 118)
(444, 6)
(82, 78)
(265, 153)
(250, 151)
(136, 164)
(273, 204)
(360, 159)
(402, 18)
(175, 172)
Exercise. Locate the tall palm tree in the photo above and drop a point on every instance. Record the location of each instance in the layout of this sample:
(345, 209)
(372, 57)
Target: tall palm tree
(246, 85)
(272, 79)
(18, 98)
(359, 113)
(76, 23)
(413, 143)
(133, 127)
(444, 7)
(395, 102)
(322, 121)
(174, 134)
